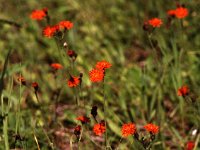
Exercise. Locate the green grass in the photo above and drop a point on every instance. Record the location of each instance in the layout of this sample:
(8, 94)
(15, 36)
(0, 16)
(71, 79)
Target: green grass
(139, 87)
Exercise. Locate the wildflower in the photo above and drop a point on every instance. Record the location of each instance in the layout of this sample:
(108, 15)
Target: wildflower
(94, 111)
(72, 54)
(155, 22)
(83, 119)
(102, 65)
(73, 81)
(190, 145)
(99, 128)
(171, 13)
(38, 14)
(66, 24)
(183, 91)
(153, 129)
(181, 12)
(56, 66)
(77, 131)
(128, 129)
(50, 31)
(22, 80)
(96, 75)
(35, 86)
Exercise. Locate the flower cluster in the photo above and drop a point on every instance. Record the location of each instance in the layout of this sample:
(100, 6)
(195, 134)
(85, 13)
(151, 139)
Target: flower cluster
(155, 22)
(97, 74)
(180, 12)
(38, 14)
(128, 129)
(50, 31)
(73, 81)
(183, 91)
(99, 128)
(151, 128)
(56, 66)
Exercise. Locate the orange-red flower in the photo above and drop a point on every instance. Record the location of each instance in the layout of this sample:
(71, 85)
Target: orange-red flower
(35, 86)
(190, 145)
(155, 22)
(128, 129)
(102, 65)
(77, 130)
(181, 12)
(73, 81)
(183, 91)
(171, 13)
(83, 119)
(99, 128)
(66, 24)
(50, 31)
(22, 80)
(96, 75)
(38, 14)
(56, 66)
(153, 129)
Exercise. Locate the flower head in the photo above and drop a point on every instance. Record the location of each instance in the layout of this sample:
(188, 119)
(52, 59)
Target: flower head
(77, 130)
(183, 91)
(38, 14)
(99, 128)
(21, 80)
(56, 66)
(83, 119)
(66, 24)
(50, 31)
(96, 75)
(171, 12)
(155, 22)
(190, 145)
(35, 86)
(181, 12)
(153, 129)
(128, 129)
(102, 65)
(73, 81)
(72, 54)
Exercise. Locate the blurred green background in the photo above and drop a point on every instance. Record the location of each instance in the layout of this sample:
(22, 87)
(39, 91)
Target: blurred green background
(138, 89)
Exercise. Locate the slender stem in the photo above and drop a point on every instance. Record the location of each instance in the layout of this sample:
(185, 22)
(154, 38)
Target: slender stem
(105, 113)
(19, 109)
(38, 146)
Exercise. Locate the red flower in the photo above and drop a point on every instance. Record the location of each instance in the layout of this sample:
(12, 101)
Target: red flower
(153, 129)
(128, 129)
(181, 12)
(72, 54)
(102, 65)
(66, 24)
(22, 80)
(83, 119)
(50, 31)
(99, 128)
(171, 13)
(38, 14)
(77, 130)
(96, 75)
(73, 81)
(183, 91)
(155, 22)
(35, 86)
(56, 66)
(190, 145)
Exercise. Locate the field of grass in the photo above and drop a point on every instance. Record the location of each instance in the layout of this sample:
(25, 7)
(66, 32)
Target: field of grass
(154, 75)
